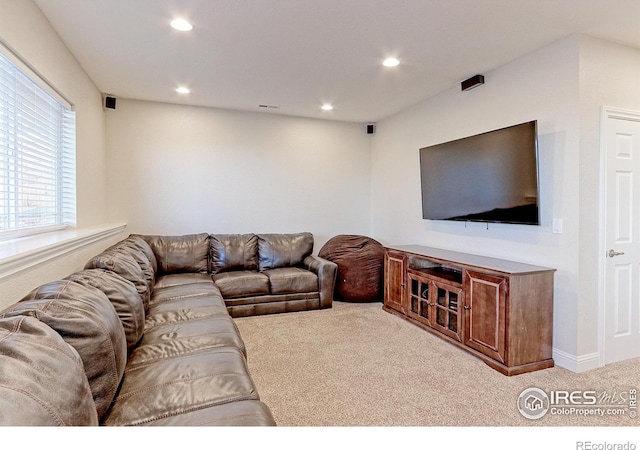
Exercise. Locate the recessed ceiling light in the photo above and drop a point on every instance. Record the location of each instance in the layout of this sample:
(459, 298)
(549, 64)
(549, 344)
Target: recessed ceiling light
(390, 62)
(181, 24)
(183, 90)
(326, 107)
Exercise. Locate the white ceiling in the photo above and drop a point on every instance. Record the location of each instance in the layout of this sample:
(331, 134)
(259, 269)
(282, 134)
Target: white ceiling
(298, 54)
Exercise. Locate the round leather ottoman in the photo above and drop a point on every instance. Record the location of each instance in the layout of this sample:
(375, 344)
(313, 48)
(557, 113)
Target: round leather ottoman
(360, 261)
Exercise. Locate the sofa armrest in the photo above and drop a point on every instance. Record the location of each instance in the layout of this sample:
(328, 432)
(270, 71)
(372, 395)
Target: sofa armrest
(327, 272)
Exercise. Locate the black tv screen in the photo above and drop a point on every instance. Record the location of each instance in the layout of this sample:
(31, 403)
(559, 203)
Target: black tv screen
(489, 177)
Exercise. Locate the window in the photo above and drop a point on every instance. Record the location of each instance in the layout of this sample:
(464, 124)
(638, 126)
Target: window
(37, 153)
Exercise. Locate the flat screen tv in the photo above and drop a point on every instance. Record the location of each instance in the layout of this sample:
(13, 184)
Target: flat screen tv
(489, 177)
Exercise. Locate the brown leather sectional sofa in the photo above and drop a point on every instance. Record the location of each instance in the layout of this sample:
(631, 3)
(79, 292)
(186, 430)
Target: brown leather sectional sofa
(143, 335)
(270, 273)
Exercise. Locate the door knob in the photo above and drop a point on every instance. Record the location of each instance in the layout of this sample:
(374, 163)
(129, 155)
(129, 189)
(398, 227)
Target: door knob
(613, 253)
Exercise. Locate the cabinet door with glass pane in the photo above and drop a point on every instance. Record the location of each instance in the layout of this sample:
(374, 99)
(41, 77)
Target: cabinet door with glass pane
(420, 302)
(447, 304)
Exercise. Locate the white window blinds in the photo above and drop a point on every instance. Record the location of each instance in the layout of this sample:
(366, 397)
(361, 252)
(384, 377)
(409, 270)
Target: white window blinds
(37, 155)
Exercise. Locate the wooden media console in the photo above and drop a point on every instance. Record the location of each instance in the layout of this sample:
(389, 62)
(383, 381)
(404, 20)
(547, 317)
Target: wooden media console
(500, 311)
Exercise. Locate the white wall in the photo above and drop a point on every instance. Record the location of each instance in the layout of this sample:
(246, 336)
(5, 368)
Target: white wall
(176, 169)
(609, 76)
(19, 284)
(25, 30)
(541, 86)
(564, 86)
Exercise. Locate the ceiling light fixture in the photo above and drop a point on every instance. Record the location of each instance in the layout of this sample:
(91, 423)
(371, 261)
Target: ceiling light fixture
(183, 90)
(181, 25)
(390, 62)
(326, 107)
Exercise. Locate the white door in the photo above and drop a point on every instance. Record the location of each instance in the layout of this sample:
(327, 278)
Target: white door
(622, 237)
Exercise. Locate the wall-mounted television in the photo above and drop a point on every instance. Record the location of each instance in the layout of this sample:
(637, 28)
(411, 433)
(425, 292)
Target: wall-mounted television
(489, 177)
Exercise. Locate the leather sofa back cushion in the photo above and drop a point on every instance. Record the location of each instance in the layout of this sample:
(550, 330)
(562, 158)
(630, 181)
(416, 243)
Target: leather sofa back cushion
(176, 254)
(140, 258)
(125, 265)
(31, 396)
(233, 252)
(86, 320)
(143, 245)
(283, 250)
(123, 297)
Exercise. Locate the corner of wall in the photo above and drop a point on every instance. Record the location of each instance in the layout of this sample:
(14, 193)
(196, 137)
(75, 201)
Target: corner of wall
(576, 363)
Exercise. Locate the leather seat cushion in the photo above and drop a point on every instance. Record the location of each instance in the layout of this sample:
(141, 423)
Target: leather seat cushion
(249, 413)
(241, 283)
(191, 308)
(178, 292)
(176, 254)
(233, 252)
(182, 384)
(283, 250)
(122, 295)
(177, 279)
(290, 280)
(86, 320)
(31, 396)
(179, 338)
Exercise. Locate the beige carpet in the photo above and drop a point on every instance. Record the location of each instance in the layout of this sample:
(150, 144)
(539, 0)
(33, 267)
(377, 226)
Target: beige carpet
(356, 365)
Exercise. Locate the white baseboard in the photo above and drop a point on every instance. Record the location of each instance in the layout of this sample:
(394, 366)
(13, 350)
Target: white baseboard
(576, 363)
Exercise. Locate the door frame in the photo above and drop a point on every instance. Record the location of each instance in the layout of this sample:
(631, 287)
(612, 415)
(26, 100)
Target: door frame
(608, 112)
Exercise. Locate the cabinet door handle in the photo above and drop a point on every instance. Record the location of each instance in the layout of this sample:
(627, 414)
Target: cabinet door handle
(466, 308)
